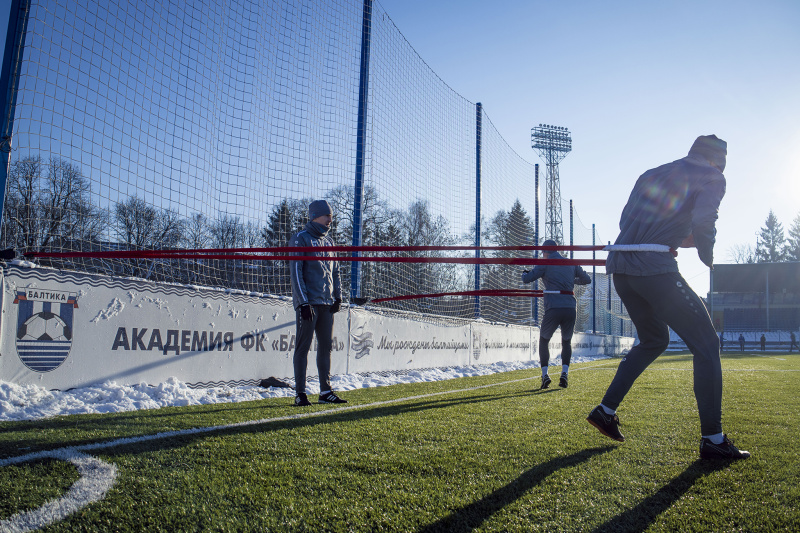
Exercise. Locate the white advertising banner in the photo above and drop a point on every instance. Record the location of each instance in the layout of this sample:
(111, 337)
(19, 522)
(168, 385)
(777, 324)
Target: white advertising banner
(63, 329)
(492, 343)
(391, 342)
(587, 344)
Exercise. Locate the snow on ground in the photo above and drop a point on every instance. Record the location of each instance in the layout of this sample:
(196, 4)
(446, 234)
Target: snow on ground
(29, 402)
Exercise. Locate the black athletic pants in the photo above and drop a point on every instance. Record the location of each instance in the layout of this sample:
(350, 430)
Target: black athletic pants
(653, 303)
(563, 317)
(322, 324)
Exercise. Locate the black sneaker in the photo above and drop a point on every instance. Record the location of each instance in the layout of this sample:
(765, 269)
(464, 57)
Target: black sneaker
(563, 381)
(546, 381)
(725, 450)
(301, 400)
(606, 424)
(330, 397)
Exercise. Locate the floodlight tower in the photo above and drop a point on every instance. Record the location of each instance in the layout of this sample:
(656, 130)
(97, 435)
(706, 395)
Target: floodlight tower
(552, 143)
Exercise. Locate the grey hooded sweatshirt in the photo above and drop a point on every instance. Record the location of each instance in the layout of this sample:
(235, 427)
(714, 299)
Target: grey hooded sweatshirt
(314, 282)
(667, 205)
(558, 278)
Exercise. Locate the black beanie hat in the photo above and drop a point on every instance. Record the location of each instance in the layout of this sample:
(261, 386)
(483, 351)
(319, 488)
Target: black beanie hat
(317, 208)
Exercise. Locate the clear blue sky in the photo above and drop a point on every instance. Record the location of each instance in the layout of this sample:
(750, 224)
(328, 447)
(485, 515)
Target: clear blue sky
(635, 82)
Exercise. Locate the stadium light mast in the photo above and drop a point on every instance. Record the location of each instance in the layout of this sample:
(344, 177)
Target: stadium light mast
(552, 143)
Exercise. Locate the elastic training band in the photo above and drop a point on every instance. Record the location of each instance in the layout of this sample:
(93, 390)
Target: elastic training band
(638, 248)
(481, 292)
(347, 259)
(117, 254)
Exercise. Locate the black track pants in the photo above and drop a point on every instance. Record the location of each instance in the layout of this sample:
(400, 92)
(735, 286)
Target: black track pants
(322, 324)
(563, 317)
(654, 303)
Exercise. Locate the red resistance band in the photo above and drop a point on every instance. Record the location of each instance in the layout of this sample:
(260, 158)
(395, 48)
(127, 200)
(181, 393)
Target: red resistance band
(482, 292)
(251, 257)
(120, 254)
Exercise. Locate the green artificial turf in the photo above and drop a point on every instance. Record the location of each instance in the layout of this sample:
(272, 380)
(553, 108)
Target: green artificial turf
(489, 453)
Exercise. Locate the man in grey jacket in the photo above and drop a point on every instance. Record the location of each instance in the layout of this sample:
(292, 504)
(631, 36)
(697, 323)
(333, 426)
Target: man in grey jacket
(559, 309)
(317, 296)
(675, 205)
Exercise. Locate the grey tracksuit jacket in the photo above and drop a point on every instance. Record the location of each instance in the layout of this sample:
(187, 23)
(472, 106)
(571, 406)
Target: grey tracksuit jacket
(669, 203)
(558, 278)
(314, 282)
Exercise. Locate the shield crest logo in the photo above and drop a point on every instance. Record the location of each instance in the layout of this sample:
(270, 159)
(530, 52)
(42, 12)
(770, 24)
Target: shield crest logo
(44, 327)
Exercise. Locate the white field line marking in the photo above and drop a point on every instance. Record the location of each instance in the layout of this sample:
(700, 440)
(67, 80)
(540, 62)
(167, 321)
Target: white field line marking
(97, 477)
(769, 356)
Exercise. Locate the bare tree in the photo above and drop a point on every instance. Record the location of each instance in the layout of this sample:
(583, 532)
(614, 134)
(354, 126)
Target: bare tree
(197, 233)
(227, 231)
(196, 237)
(421, 228)
(49, 207)
(140, 226)
(21, 218)
(742, 253)
(251, 269)
(135, 223)
(376, 216)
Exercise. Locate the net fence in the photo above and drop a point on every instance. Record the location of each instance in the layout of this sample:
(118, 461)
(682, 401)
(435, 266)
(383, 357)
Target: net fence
(196, 125)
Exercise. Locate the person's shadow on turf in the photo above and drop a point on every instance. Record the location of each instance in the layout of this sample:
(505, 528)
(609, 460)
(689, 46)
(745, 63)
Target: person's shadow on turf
(640, 517)
(473, 515)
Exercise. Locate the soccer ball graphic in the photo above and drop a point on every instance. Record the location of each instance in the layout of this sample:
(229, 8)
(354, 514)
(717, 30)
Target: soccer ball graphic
(44, 326)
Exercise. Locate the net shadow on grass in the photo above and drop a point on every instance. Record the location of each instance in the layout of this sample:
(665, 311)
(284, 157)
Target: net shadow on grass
(473, 515)
(641, 516)
(182, 437)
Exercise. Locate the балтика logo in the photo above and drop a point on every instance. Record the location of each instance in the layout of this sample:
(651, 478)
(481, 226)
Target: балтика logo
(44, 327)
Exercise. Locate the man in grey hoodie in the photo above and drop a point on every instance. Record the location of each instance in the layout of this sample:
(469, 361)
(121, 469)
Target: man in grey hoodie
(559, 309)
(317, 296)
(674, 205)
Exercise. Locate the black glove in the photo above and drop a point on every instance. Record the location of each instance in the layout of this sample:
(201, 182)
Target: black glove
(336, 305)
(306, 312)
(525, 271)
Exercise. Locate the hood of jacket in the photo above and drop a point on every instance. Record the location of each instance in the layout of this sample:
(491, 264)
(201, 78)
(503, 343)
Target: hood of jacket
(711, 149)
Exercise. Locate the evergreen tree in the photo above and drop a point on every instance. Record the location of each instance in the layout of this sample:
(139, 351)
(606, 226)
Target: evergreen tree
(771, 241)
(520, 228)
(793, 246)
(512, 228)
(286, 219)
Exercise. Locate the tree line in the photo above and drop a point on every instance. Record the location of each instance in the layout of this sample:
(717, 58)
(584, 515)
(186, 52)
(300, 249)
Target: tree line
(49, 206)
